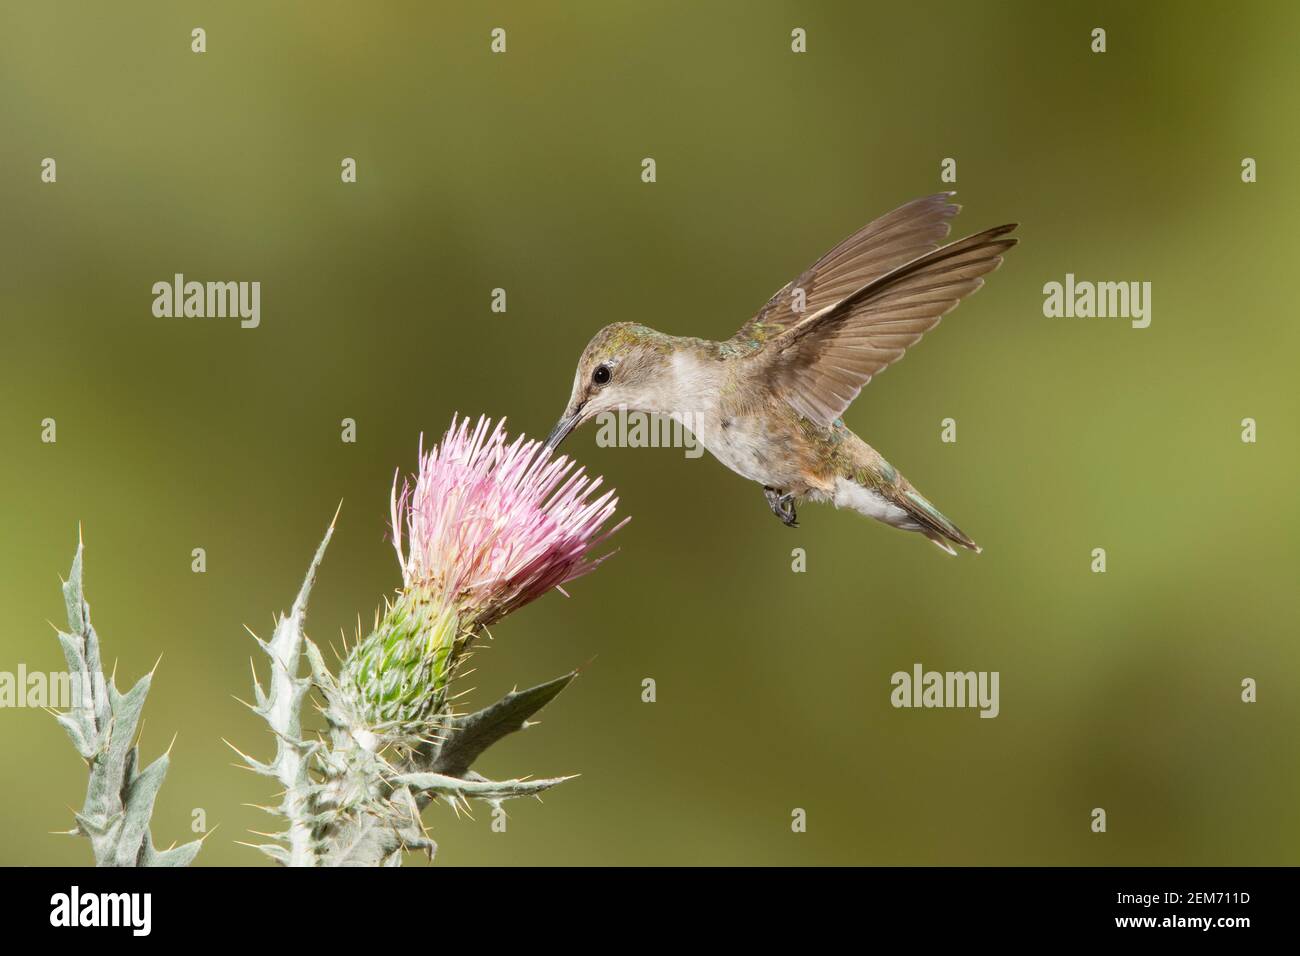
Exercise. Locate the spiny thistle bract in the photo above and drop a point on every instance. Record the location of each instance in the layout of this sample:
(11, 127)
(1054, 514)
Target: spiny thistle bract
(487, 526)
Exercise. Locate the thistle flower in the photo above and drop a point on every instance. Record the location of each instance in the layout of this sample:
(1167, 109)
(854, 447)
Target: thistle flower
(487, 526)
(492, 527)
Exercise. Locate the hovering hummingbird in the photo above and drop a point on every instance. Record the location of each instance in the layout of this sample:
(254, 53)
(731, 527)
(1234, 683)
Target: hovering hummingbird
(767, 402)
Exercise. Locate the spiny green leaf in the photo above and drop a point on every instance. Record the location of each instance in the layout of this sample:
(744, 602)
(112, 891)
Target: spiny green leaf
(480, 789)
(79, 732)
(140, 796)
(102, 724)
(176, 856)
(469, 736)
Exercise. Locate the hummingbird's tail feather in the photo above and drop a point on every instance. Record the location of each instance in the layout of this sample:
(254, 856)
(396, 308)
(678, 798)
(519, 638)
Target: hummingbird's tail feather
(897, 503)
(935, 525)
(867, 483)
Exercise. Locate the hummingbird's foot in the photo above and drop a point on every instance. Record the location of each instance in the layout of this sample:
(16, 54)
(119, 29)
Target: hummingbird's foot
(782, 506)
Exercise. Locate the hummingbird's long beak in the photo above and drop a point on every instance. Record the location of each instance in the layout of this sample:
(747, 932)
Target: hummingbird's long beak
(567, 423)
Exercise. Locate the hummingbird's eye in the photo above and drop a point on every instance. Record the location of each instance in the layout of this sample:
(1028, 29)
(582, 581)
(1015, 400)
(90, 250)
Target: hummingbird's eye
(601, 375)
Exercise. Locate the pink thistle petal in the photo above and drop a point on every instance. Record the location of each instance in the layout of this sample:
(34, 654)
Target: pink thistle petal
(491, 526)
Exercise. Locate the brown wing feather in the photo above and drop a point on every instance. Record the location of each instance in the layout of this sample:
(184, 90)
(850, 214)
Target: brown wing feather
(821, 364)
(876, 249)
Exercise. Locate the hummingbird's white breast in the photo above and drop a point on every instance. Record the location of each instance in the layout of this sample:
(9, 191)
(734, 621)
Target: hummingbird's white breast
(742, 442)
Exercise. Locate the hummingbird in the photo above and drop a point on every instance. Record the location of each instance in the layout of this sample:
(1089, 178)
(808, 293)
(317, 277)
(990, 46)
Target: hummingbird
(768, 402)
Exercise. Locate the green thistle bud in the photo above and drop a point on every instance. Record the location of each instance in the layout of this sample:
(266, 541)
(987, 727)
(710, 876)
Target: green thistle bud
(395, 680)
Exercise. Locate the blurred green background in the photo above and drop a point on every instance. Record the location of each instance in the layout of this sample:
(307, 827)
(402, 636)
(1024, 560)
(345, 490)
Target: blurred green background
(523, 171)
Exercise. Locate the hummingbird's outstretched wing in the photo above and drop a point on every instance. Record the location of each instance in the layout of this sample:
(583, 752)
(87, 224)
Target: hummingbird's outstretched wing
(882, 245)
(820, 364)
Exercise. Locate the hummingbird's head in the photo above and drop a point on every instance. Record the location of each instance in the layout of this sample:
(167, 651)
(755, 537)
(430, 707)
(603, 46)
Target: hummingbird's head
(622, 366)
